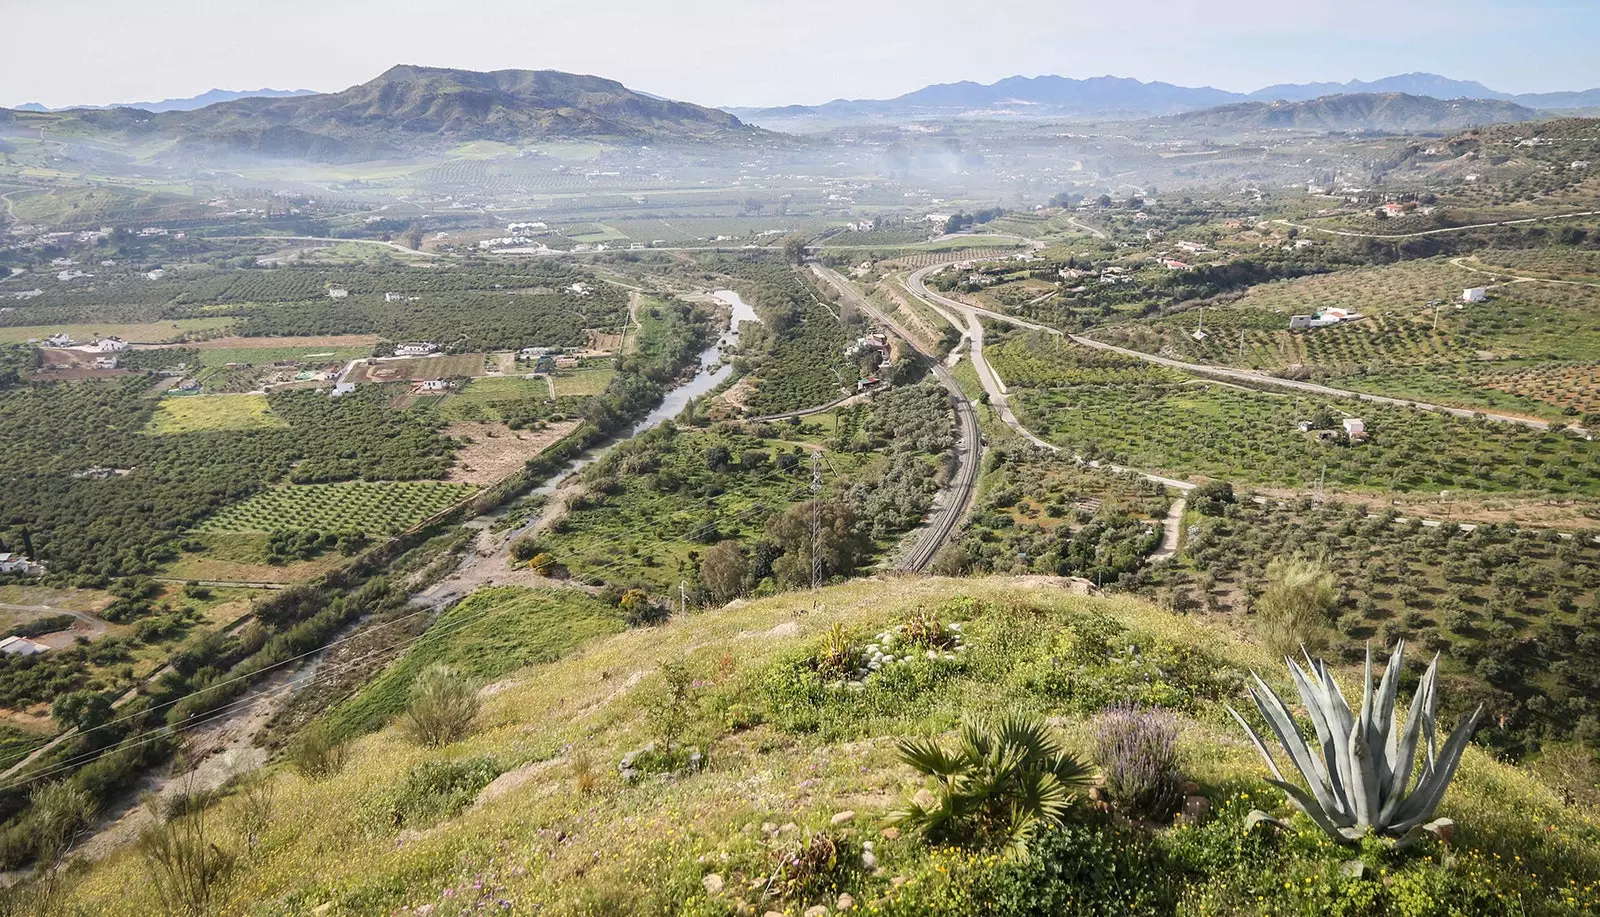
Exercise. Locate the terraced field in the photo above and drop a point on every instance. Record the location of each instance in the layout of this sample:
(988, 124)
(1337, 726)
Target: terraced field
(373, 507)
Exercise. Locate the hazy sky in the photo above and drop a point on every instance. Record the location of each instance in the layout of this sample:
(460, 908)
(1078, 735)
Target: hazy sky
(759, 52)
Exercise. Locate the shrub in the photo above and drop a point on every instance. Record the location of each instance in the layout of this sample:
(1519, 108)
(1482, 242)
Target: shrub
(443, 707)
(437, 790)
(1295, 609)
(1000, 786)
(317, 754)
(1137, 751)
(184, 863)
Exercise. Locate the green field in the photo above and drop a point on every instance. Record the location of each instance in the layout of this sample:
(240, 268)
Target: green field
(582, 381)
(208, 413)
(141, 333)
(377, 508)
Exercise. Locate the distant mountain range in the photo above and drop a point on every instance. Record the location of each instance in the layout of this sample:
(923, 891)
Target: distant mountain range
(404, 110)
(1107, 97)
(210, 97)
(1388, 112)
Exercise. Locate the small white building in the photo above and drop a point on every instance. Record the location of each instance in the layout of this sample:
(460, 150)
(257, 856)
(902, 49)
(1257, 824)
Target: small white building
(1476, 294)
(16, 563)
(22, 646)
(436, 385)
(109, 362)
(1355, 429)
(416, 349)
(108, 345)
(155, 274)
(342, 388)
(337, 293)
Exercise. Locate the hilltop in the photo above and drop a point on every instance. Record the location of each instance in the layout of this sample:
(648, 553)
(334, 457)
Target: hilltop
(406, 109)
(565, 800)
(1389, 112)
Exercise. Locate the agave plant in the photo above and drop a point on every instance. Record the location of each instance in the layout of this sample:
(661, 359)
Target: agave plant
(1359, 782)
(1000, 785)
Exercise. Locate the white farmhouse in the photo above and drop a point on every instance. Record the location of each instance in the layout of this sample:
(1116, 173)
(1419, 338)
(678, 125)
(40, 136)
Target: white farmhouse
(416, 349)
(1476, 294)
(338, 293)
(1355, 429)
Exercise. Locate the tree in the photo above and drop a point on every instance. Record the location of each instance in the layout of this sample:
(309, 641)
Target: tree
(840, 548)
(1212, 497)
(794, 249)
(82, 710)
(1297, 605)
(724, 571)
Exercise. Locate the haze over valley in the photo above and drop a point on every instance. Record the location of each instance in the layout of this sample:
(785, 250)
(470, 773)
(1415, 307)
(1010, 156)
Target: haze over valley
(488, 483)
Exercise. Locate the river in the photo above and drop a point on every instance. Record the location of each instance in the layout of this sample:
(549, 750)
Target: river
(713, 371)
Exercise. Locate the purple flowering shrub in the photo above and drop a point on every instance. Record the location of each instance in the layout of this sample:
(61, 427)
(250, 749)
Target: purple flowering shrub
(1137, 750)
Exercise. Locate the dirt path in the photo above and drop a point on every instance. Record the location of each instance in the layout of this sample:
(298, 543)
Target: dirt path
(1496, 273)
(1172, 531)
(1435, 232)
(88, 625)
(1073, 222)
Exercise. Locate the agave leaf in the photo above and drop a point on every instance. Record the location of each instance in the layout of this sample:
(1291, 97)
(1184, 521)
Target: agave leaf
(1406, 751)
(1364, 793)
(1306, 804)
(1277, 716)
(1429, 709)
(1430, 792)
(1260, 745)
(1382, 735)
(1342, 724)
(1314, 700)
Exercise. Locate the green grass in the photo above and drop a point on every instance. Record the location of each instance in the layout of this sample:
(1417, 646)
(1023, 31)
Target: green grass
(210, 413)
(492, 632)
(645, 848)
(580, 382)
(377, 508)
(142, 333)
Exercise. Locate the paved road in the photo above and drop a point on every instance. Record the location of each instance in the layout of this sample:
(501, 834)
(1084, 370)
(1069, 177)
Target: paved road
(998, 396)
(964, 486)
(1435, 232)
(805, 412)
(1262, 379)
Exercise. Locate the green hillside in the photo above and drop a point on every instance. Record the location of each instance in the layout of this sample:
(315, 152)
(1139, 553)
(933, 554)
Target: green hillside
(556, 804)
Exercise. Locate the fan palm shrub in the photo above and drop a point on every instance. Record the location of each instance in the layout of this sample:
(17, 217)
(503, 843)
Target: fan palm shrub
(1000, 785)
(1359, 777)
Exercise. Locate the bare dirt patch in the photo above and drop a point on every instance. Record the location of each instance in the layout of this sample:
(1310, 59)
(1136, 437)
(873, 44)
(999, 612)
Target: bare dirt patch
(239, 343)
(419, 369)
(496, 451)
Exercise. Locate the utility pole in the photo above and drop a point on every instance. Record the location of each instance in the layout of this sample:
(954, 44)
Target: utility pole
(683, 597)
(816, 520)
(1241, 346)
(1321, 479)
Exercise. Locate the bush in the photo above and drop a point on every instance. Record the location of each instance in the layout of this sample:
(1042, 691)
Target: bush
(1296, 607)
(437, 790)
(443, 707)
(1137, 751)
(1002, 785)
(316, 754)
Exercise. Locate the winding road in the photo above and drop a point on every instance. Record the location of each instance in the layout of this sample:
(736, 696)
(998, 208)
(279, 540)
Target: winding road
(1434, 232)
(963, 487)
